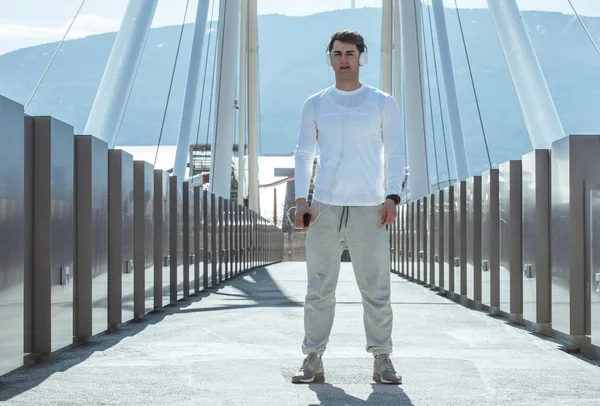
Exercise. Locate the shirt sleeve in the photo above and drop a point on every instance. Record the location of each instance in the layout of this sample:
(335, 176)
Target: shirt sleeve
(305, 150)
(393, 144)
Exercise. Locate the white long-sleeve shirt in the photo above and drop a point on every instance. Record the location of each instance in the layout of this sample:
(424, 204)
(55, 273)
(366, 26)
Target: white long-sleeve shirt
(354, 131)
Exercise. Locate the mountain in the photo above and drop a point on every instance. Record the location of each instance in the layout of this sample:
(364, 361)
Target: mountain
(292, 67)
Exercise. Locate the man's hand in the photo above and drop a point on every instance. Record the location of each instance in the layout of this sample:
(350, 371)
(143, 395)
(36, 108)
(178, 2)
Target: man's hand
(388, 214)
(302, 208)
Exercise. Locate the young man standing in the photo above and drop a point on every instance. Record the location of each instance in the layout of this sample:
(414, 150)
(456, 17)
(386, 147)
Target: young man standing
(357, 127)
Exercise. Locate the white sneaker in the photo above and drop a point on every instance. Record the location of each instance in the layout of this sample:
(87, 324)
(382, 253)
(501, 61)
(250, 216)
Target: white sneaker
(311, 370)
(384, 372)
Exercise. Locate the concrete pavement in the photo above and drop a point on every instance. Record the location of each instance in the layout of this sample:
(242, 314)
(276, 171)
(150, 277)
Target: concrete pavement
(239, 344)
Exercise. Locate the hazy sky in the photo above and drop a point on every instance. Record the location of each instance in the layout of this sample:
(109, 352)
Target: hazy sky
(31, 22)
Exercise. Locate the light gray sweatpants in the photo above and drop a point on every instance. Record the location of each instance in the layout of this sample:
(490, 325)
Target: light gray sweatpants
(359, 228)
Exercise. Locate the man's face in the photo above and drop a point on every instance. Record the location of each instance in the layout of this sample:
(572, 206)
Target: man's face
(344, 59)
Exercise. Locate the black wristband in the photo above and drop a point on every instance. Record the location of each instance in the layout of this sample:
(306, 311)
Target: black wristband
(395, 198)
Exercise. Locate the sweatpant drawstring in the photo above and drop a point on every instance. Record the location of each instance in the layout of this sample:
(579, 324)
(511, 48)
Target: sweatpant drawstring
(345, 210)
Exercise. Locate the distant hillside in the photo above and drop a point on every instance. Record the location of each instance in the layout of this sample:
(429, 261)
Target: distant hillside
(292, 67)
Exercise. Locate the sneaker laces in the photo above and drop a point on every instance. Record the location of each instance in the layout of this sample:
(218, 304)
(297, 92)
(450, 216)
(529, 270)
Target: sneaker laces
(385, 362)
(311, 361)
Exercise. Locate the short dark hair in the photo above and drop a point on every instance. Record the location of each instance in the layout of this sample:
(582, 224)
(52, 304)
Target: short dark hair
(349, 37)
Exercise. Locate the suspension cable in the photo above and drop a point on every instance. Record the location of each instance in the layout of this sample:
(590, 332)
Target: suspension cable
(54, 56)
(473, 84)
(162, 126)
(212, 10)
(437, 79)
(437, 170)
(584, 27)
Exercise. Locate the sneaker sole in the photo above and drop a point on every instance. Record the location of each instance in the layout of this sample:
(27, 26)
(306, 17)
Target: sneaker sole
(316, 378)
(377, 378)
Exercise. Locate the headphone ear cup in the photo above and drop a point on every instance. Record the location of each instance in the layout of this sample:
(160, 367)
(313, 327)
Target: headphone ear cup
(363, 59)
(328, 59)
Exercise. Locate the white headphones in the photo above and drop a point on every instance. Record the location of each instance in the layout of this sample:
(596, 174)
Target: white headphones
(362, 59)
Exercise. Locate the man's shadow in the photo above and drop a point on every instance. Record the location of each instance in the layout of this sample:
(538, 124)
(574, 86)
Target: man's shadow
(382, 395)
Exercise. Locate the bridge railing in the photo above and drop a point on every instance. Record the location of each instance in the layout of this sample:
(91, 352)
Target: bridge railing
(91, 239)
(521, 241)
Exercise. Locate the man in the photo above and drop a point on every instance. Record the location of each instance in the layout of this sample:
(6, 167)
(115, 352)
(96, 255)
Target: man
(356, 127)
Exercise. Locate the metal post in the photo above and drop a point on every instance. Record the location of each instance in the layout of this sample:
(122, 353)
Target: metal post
(220, 229)
(214, 249)
(410, 21)
(205, 241)
(191, 90)
(242, 101)
(275, 205)
(222, 146)
(458, 143)
(386, 45)
(253, 102)
(539, 112)
(117, 81)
